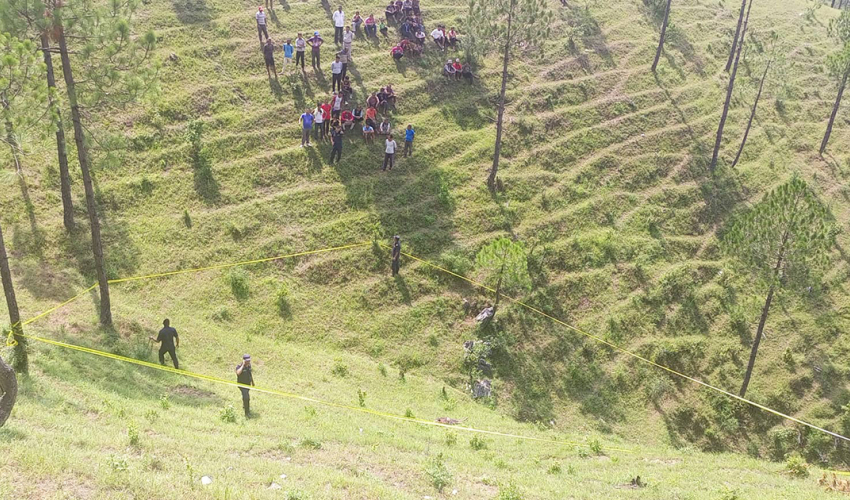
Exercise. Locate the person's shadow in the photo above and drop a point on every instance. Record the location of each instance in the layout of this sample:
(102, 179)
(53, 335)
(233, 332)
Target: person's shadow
(402, 288)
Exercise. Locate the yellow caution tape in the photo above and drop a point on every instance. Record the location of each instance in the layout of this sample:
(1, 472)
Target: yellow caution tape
(243, 263)
(625, 351)
(305, 398)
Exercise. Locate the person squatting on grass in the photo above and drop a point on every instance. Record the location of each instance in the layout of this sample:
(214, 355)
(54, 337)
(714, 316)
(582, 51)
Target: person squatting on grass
(268, 55)
(167, 336)
(261, 25)
(409, 133)
(336, 139)
(244, 376)
(389, 153)
(396, 255)
(307, 125)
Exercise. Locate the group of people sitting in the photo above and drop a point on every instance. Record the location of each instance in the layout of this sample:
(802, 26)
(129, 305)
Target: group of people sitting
(338, 113)
(455, 70)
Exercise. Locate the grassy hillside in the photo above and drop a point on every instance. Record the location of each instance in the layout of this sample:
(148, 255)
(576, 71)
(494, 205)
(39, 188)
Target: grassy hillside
(605, 177)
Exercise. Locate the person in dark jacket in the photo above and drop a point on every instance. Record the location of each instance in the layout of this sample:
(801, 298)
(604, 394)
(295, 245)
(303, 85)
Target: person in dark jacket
(245, 377)
(336, 140)
(167, 336)
(396, 265)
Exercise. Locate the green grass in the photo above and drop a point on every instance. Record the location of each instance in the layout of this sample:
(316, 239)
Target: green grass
(605, 181)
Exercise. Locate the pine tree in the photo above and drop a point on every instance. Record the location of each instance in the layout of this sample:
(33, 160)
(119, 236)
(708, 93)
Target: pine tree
(8, 391)
(20, 91)
(662, 36)
(783, 243)
(503, 263)
(20, 359)
(839, 67)
(509, 25)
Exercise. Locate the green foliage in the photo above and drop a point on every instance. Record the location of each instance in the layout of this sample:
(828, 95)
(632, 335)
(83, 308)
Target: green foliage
(554, 469)
(133, 434)
(438, 473)
(282, 300)
(164, 403)
(361, 397)
(408, 413)
(509, 491)
(477, 443)
(595, 446)
(505, 259)
(487, 24)
(451, 438)
(187, 220)
(797, 466)
(839, 62)
(228, 414)
(118, 464)
(311, 444)
(785, 239)
(237, 278)
(152, 415)
(382, 369)
(23, 89)
(339, 369)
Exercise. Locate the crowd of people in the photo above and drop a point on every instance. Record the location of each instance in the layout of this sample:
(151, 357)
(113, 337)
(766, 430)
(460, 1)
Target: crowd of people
(341, 114)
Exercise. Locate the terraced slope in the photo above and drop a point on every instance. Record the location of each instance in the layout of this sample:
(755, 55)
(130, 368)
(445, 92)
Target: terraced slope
(604, 177)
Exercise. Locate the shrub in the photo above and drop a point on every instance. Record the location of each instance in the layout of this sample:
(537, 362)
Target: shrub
(361, 397)
(451, 438)
(382, 369)
(408, 413)
(509, 491)
(133, 434)
(222, 314)
(187, 220)
(797, 466)
(595, 446)
(164, 402)
(311, 444)
(118, 464)
(228, 414)
(339, 369)
(296, 495)
(282, 299)
(554, 469)
(477, 443)
(238, 280)
(152, 415)
(438, 473)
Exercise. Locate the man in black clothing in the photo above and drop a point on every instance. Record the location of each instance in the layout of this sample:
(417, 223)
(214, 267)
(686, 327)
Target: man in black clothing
(336, 139)
(167, 336)
(396, 255)
(268, 55)
(245, 377)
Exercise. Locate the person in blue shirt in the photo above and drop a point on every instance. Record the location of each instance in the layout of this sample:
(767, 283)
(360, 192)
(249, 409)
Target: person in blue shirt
(307, 125)
(288, 51)
(408, 141)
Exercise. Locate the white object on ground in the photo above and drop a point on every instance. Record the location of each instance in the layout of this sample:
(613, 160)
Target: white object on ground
(206, 480)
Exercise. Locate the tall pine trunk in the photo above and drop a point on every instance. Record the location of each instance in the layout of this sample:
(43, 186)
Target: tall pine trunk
(663, 35)
(10, 133)
(64, 175)
(765, 310)
(491, 179)
(737, 33)
(752, 114)
(729, 90)
(82, 156)
(21, 361)
(834, 111)
(8, 391)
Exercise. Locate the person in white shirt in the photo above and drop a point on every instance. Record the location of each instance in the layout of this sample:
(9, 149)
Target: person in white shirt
(437, 35)
(389, 153)
(300, 46)
(339, 22)
(336, 75)
(261, 25)
(318, 118)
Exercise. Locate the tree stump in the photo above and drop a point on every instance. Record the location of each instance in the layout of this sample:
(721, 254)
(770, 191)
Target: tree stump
(8, 391)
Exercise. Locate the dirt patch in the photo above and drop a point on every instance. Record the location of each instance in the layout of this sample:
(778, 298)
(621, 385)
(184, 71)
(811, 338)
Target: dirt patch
(663, 461)
(188, 390)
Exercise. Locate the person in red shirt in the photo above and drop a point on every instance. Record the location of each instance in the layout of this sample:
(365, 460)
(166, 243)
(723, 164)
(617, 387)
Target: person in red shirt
(372, 117)
(347, 120)
(326, 116)
(458, 69)
(397, 52)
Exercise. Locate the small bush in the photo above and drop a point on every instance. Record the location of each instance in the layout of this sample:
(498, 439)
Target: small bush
(477, 443)
(451, 438)
(282, 300)
(152, 415)
(509, 492)
(438, 473)
(339, 369)
(187, 220)
(222, 314)
(118, 464)
(797, 466)
(296, 495)
(311, 444)
(164, 403)
(595, 446)
(238, 280)
(361, 397)
(228, 414)
(409, 413)
(554, 469)
(382, 369)
(133, 434)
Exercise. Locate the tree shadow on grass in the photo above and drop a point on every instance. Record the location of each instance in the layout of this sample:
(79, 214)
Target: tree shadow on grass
(33, 241)
(192, 11)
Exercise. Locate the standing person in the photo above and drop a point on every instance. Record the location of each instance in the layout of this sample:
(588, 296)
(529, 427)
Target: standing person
(326, 118)
(316, 42)
(339, 22)
(167, 336)
(307, 125)
(319, 119)
(396, 255)
(345, 58)
(336, 140)
(300, 46)
(336, 74)
(261, 25)
(288, 50)
(245, 376)
(389, 153)
(347, 39)
(268, 55)
(416, 10)
(409, 133)
(336, 105)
